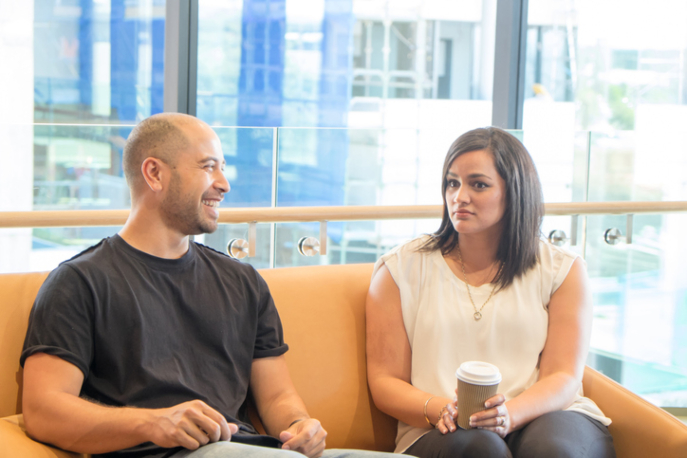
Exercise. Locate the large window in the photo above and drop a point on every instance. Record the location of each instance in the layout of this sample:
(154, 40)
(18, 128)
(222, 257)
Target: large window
(613, 66)
(355, 102)
(344, 63)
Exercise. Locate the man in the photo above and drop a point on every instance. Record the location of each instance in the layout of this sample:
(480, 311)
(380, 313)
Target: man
(146, 344)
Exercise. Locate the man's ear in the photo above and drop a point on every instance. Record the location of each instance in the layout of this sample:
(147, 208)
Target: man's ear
(154, 172)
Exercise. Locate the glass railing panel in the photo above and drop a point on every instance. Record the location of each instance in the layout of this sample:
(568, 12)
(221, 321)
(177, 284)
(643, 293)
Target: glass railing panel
(58, 167)
(638, 165)
(402, 166)
(640, 311)
(639, 320)
(219, 240)
(16, 167)
(248, 152)
(43, 249)
(563, 168)
(79, 167)
(392, 166)
(561, 159)
(558, 229)
(360, 166)
(348, 242)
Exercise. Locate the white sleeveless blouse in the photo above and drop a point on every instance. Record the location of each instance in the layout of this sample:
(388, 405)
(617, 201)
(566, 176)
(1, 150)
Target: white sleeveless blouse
(438, 317)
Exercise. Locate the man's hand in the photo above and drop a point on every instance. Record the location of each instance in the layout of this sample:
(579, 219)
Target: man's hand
(189, 425)
(54, 413)
(306, 436)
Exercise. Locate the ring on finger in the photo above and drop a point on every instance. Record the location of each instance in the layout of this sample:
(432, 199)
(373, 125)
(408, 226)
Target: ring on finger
(441, 416)
(502, 421)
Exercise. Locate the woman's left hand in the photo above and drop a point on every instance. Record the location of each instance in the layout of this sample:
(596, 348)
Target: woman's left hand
(495, 418)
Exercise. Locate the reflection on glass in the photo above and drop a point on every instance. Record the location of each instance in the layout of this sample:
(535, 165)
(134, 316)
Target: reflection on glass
(605, 67)
(332, 63)
(79, 167)
(74, 168)
(248, 153)
(98, 61)
(640, 312)
(639, 166)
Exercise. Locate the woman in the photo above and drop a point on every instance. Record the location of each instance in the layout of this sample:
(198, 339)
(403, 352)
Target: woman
(485, 287)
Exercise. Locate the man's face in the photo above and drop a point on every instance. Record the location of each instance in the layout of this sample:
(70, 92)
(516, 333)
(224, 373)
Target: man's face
(197, 184)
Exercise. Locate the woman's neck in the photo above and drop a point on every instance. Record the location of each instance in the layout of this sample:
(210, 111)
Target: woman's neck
(477, 251)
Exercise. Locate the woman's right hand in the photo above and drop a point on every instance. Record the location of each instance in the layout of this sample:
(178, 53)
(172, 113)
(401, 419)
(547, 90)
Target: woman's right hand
(448, 418)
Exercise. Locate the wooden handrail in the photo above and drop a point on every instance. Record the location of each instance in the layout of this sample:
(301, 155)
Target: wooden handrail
(83, 218)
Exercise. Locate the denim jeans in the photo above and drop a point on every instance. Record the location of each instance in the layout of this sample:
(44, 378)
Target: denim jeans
(236, 450)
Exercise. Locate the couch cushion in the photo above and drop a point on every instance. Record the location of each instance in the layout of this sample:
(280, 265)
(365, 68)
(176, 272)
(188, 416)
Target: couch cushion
(17, 293)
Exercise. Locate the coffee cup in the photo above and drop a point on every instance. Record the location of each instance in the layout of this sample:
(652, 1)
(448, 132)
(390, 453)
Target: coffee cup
(477, 382)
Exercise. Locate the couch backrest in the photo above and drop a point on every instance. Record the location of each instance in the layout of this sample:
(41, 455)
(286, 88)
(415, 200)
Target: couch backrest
(323, 313)
(17, 292)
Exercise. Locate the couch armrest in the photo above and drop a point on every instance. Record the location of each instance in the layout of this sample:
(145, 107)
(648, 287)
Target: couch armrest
(639, 428)
(15, 442)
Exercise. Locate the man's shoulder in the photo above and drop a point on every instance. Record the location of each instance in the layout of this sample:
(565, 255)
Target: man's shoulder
(77, 273)
(91, 256)
(224, 261)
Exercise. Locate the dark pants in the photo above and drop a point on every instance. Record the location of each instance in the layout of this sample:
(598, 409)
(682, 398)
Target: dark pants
(559, 434)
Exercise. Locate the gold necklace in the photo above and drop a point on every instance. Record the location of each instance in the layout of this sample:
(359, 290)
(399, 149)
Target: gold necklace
(477, 315)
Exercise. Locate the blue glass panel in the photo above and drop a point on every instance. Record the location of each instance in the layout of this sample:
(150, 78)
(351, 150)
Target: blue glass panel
(248, 152)
(98, 61)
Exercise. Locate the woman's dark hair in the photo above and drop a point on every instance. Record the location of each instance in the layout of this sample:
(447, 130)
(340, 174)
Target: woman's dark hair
(518, 248)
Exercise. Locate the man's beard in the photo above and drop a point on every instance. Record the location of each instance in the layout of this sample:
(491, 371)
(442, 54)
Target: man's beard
(183, 212)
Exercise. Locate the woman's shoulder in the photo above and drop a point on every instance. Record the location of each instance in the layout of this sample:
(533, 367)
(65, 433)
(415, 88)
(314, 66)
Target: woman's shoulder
(405, 254)
(555, 263)
(549, 253)
(410, 247)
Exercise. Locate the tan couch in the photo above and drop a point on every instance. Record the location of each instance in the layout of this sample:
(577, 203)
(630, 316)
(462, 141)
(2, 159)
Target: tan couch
(322, 309)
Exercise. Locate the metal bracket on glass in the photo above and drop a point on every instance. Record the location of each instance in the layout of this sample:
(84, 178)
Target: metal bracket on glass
(613, 236)
(237, 248)
(557, 237)
(308, 246)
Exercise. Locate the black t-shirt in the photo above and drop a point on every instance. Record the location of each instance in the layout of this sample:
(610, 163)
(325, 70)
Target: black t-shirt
(152, 332)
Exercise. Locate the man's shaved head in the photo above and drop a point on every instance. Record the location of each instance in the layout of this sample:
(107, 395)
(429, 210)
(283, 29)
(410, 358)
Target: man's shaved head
(160, 136)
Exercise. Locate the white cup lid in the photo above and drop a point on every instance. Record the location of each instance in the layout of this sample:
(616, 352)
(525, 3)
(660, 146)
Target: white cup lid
(478, 373)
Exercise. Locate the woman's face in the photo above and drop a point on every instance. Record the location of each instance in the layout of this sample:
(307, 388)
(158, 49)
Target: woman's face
(475, 194)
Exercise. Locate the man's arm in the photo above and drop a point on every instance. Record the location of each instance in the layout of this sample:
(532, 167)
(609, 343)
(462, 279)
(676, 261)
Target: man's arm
(54, 413)
(281, 409)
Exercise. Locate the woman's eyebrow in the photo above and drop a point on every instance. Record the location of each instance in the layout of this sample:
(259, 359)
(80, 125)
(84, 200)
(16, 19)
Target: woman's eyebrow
(472, 175)
(478, 175)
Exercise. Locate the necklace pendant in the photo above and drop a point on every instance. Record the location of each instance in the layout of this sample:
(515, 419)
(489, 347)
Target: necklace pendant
(477, 316)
